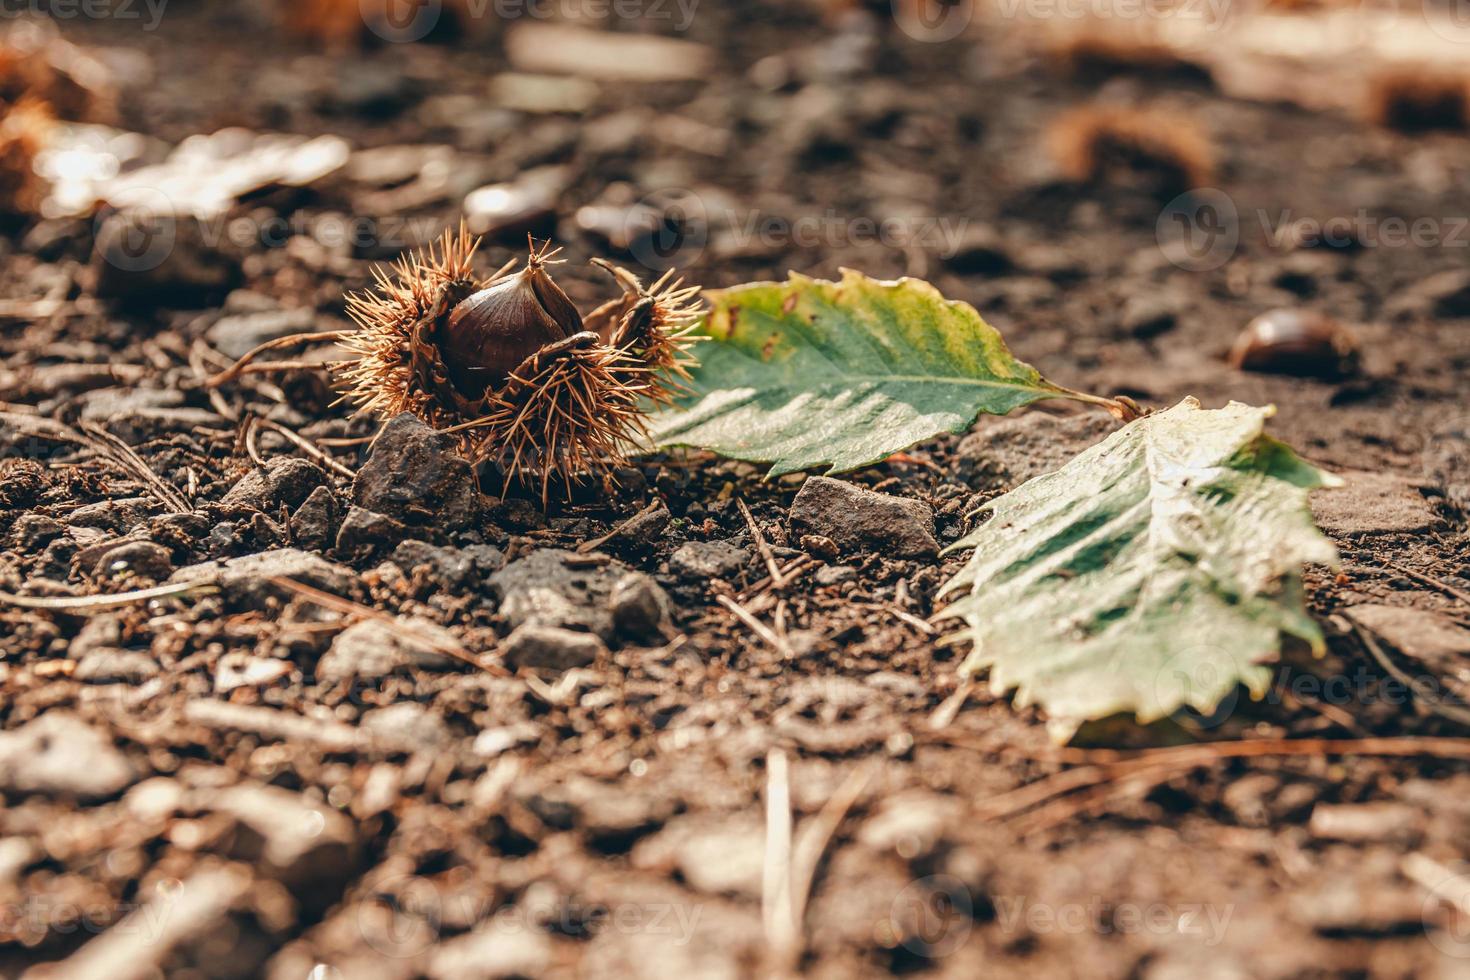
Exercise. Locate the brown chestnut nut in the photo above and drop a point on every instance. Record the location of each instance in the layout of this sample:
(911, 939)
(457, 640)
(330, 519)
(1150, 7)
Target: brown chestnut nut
(1303, 343)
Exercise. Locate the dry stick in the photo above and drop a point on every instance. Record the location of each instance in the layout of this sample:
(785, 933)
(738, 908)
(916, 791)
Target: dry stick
(595, 543)
(349, 608)
(98, 603)
(809, 849)
(239, 367)
(776, 899)
(778, 581)
(946, 713)
(759, 628)
(1415, 687)
(306, 446)
(123, 455)
(1447, 589)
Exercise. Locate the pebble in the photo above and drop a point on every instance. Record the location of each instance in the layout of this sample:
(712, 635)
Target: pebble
(314, 522)
(1366, 822)
(491, 952)
(640, 607)
(141, 558)
(551, 648)
(239, 669)
(416, 476)
(235, 335)
(246, 580)
(58, 754)
(370, 651)
(834, 574)
(406, 723)
(708, 559)
(109, 666)
(861, 520)
(365, 531)
(450, 567)
(294, 838)
(717, 857)
(283, 481)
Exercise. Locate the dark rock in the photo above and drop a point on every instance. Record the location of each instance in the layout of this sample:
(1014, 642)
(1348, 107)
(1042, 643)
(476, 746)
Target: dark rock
(551, 587)
(451, 567)
(107, 666)
(639, 607)
(58, 754)
(644, 531)
(415, 475)
(858, 519)
(551, 648)
(246, 581)
(143, 558)
(708, 559)
(364, 531)
(517, 514)
(285, 480)
(313, 523)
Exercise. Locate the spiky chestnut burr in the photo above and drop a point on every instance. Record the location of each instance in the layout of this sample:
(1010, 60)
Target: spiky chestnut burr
(508, 363)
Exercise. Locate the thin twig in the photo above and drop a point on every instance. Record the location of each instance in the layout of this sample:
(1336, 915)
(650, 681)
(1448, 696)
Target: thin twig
(1415, 687)
(409, 635)
(1444, 587)
(123, 455)
(240, 366)
(306, 446)
(777, 911)
(778, 581)
(98, 603)
(946, 713)
(812, 844)
(756, 626)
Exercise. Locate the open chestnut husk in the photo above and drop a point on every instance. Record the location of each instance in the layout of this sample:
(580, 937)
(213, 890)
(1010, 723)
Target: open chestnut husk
(510, 366)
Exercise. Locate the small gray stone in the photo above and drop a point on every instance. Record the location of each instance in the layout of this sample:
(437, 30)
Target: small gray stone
(406, 724)
(708, 559)
(454, 567)
(120, 514)
(312, 524)
(143, 558)
(246, 581)
(285, 480)
(416, 476)
(369, 650)
(861, 520)
(551, 648)
(834, 574)
(639, 606)
(58, 754)
(364, 531)
(552, 587)
(235, 335)
(110, 666)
